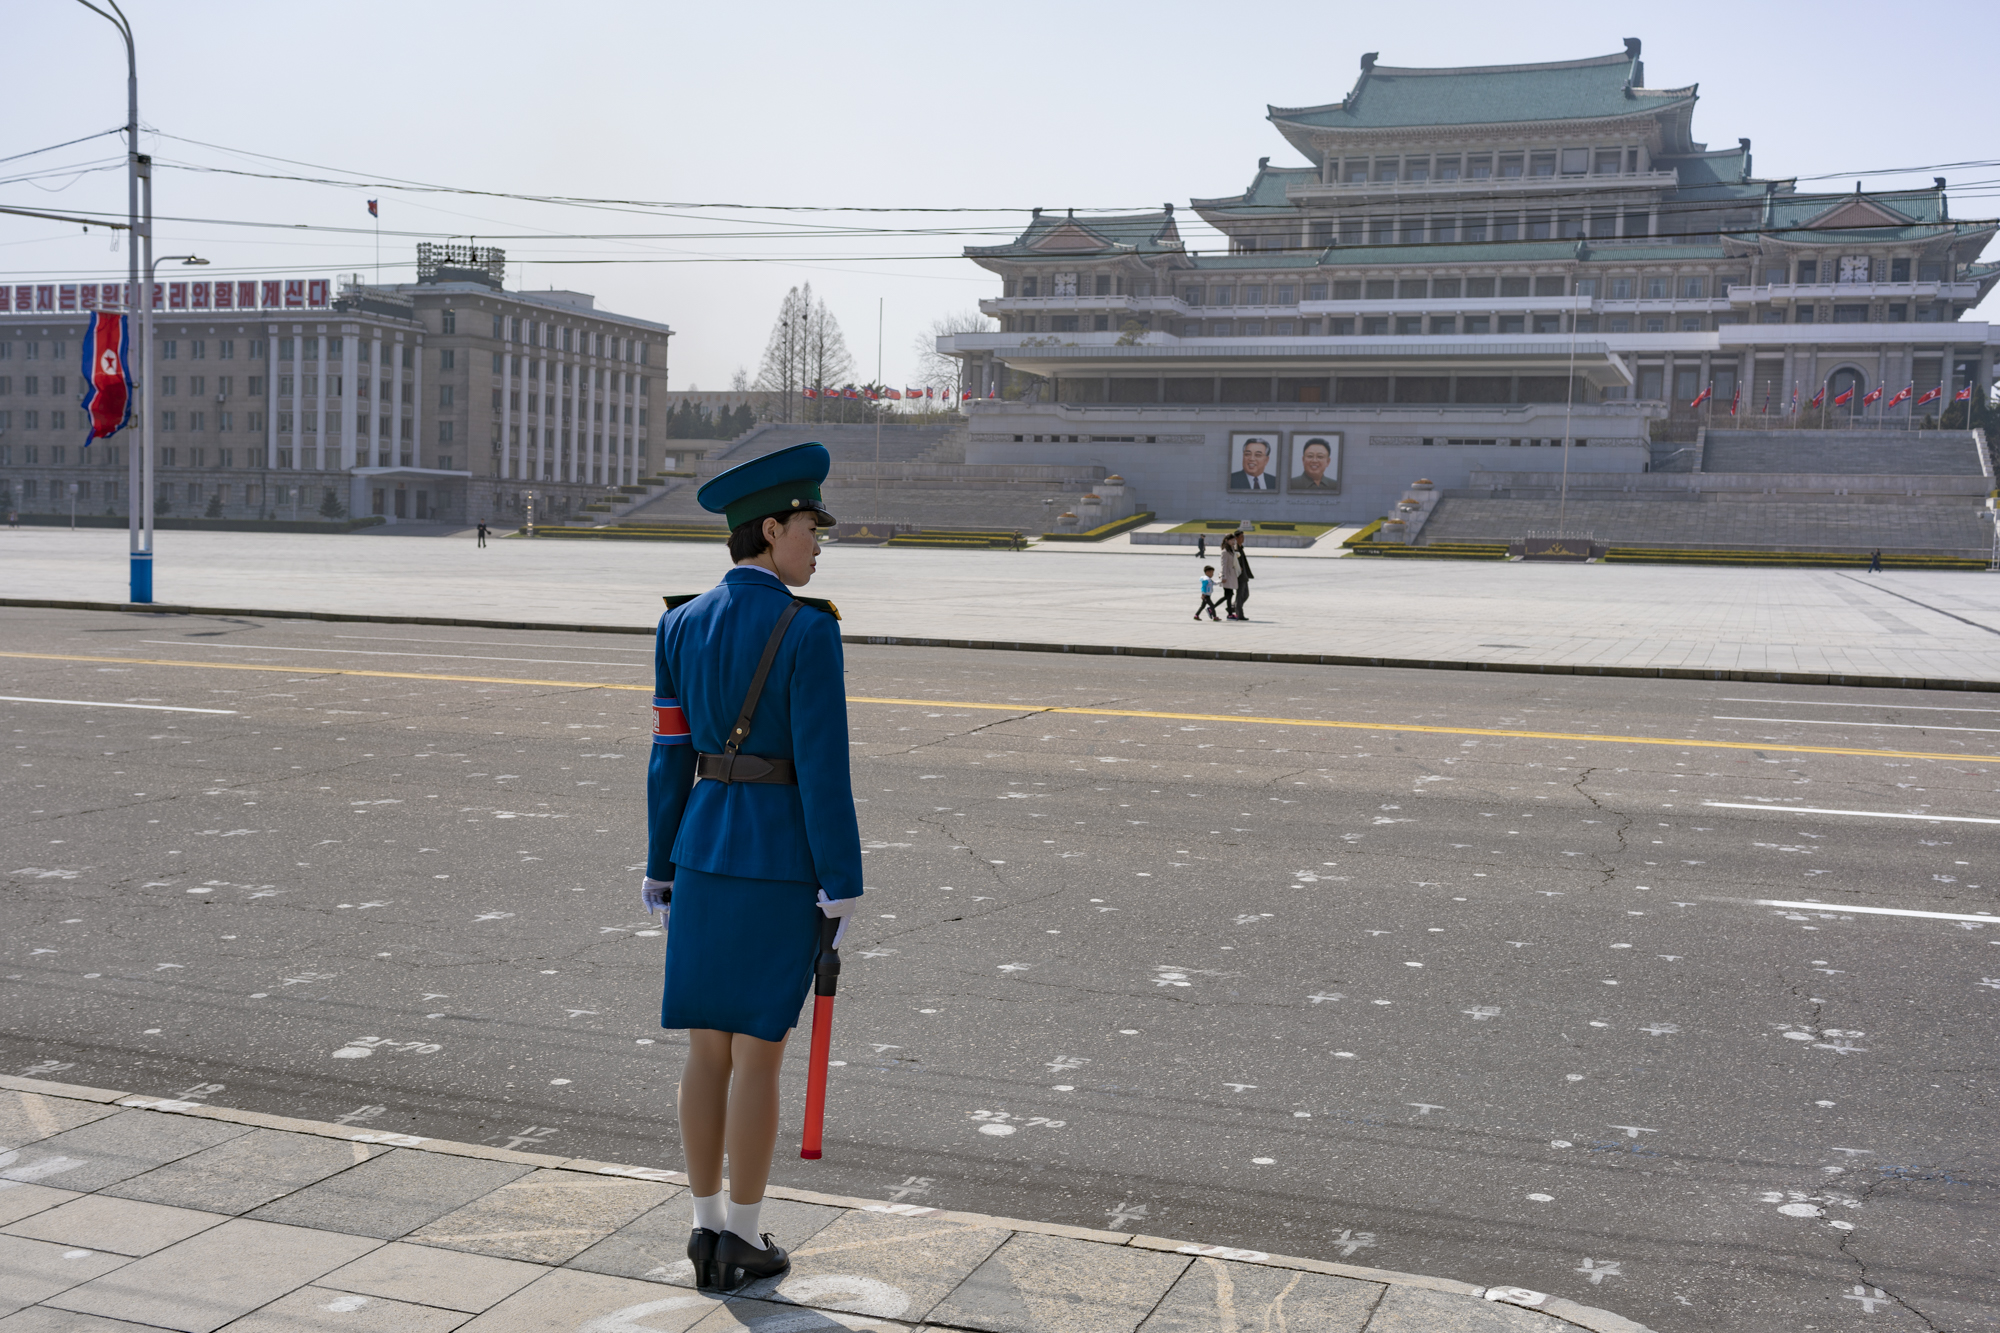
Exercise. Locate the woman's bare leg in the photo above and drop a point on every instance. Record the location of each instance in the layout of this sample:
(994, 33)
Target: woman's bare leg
(704, 1107)
(752, 1131)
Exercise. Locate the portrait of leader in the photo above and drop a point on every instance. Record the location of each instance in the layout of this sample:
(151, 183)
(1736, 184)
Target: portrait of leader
(1318, 459)
(1255, 456)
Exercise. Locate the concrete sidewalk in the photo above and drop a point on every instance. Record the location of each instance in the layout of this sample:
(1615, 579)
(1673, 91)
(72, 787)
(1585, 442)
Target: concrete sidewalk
(122, 1212)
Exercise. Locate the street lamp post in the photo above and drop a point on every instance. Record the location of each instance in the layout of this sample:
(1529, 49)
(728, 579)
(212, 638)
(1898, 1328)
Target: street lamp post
(136, 165)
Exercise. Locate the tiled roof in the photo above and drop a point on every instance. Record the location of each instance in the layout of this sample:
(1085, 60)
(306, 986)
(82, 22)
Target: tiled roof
(1386, 97)
(1727, 167)
(1267, 190)
(1055, 236)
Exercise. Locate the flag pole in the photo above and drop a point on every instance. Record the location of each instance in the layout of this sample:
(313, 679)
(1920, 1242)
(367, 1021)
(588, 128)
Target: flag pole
(878, 410)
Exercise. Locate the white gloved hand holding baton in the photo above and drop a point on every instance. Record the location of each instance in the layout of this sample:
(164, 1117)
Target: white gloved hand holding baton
(654, 895)
(838, 909)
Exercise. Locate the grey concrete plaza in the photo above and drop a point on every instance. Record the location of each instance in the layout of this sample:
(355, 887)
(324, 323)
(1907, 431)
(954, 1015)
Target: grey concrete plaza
(1701, 1040)
(1905, 625)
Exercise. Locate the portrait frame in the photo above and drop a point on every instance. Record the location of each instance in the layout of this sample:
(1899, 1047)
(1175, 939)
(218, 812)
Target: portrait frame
(1235, 474)
(1299, 482)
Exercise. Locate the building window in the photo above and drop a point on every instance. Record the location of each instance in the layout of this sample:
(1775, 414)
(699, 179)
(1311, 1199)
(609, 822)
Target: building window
(1340, 328)
(1586, 324)
(1030, 286)
(1375, 326)
(1222, 296)
(170, 350)
(1409, 326)
(1693, 288)
(1656, 324)
(1513, 323)
(1808, 272)
(1850, 314)
(166, 421)
(1548, 323)
(1656, 289)
(1513, 286)
(1445, 324)
(450, 322)
(1253, 295)
(444, 394)
(448, 359)
(1805, 313)
(1510, 165)
(1478, 324)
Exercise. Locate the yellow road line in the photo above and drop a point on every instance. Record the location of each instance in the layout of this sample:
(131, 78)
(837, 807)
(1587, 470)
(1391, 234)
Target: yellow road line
(1030, 710)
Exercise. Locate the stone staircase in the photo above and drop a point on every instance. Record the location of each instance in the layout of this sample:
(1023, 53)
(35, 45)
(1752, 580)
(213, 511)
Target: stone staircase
(1930, 453)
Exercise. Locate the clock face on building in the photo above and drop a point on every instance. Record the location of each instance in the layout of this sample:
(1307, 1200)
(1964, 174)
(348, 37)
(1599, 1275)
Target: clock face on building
(1854, 268)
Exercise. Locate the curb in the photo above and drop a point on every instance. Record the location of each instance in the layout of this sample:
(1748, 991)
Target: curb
(1085, 649)
(1582, 1316)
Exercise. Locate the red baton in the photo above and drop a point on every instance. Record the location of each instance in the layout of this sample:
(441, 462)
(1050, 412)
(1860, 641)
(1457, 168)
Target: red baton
(826, 981)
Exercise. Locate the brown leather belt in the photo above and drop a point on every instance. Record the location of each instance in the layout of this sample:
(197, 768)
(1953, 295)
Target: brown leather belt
(732, 767)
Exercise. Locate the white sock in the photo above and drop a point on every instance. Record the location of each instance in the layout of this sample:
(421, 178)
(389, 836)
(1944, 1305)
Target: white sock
(743, 1221)
(709, 1212)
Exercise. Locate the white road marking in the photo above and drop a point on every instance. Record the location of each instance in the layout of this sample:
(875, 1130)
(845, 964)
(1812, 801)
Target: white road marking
(1901, 708)
(94, 703)
(1862, 814)
(1838, 722)
(1880, 911)
(363, 652)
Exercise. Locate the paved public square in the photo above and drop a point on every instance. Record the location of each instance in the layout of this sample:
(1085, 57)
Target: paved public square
(1714, 1062)
(1904, 625)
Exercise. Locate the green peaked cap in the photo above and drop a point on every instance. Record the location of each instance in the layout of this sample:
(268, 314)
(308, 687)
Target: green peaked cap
(786, 480)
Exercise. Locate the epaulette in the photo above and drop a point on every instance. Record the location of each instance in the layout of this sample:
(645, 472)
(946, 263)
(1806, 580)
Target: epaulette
(674, 599)
(819, 604)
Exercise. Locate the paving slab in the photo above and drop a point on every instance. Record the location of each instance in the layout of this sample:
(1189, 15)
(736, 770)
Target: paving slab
(546, 1217)
(429, 1276)
(116, 1148)
(654, 1246)
(245, 1172)
(222, 1274)
(34, 1270)
(19, 1199)
(768, 1317)
(1051, 1284)
(391, 1195)
(1409, 1310)
(1214, 1296)
(567, 1299)
(41, 1319)
(122, 1226)
(324, 1310)
(882, 1264)
(28, 1116)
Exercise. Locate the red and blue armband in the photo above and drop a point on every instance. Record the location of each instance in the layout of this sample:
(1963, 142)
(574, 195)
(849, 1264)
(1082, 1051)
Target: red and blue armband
(669, 723)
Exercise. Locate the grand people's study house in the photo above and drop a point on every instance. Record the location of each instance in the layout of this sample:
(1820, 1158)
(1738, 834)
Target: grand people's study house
(1468, 265)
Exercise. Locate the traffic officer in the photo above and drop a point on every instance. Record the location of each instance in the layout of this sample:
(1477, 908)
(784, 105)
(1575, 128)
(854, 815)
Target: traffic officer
(752, 836)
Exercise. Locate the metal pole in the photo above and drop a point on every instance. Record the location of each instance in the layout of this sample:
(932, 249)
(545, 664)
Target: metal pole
(878, 410)
(143, 559)
(1569, 401)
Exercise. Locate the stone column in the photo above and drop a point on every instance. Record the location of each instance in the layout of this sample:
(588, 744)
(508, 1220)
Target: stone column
(543, 415)
(373, 431)
(271, 398)
(506, 413)
(350, 355)
(417, 418)
(396, 401)
(319, 402)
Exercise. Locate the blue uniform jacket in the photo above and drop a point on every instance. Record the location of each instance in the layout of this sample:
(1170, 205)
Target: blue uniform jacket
(704, 654)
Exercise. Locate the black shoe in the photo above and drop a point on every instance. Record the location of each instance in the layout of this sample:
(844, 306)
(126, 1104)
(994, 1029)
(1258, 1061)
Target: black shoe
(701, 1253)
(741, 1262)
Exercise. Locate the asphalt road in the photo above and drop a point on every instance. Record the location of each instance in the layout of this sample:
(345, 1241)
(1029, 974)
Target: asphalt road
(1511, 1008)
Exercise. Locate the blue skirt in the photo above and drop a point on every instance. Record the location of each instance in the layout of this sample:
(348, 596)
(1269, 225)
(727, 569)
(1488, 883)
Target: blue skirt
(739, 953)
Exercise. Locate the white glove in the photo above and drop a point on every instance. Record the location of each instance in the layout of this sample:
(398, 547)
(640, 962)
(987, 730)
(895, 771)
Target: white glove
(655, 894)
(838, 909)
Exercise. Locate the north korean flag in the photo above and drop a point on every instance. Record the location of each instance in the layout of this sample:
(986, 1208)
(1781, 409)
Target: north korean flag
(373, 212)
(107, 377)
(1871, 396)
(1930, 396)
(1901, 394)
(1819, 397)
(1963, 395)
(1841, 399)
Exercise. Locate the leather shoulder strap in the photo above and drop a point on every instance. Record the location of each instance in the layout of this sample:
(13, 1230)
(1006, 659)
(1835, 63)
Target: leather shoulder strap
(756, 691)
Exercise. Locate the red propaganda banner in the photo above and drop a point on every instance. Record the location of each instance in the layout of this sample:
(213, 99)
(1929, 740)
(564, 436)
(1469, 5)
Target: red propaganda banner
(107, 378)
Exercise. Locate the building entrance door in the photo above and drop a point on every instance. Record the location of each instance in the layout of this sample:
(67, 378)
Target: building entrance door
(402, 504)
(379, 510)
(423, 504)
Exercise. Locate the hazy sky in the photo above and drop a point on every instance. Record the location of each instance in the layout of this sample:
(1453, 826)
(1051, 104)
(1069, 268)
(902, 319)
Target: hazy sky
(889, 105)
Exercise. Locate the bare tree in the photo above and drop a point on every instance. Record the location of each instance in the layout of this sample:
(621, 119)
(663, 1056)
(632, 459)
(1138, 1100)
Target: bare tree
(935, 369)
(806, 350)
(828, 362)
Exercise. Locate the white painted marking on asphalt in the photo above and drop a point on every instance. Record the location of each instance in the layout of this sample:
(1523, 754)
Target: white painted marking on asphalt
(363, 652)
(1860, 814)
(1901, 708)
(1984, 917)
(505, 643)
(1840, 722)
(94, 703)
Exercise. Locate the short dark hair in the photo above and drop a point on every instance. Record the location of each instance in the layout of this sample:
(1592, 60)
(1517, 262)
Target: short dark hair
(746, 540)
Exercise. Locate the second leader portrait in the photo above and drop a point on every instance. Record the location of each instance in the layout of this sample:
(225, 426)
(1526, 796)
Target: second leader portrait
(1317, 458)
(1253, 461)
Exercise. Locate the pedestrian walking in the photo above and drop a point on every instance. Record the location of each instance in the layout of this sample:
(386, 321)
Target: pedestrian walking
(1228, 578)
(752, 840)
(1208, 588)
(482, 532)
(1243, 576)
(1201, 546)
(1875, 561)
